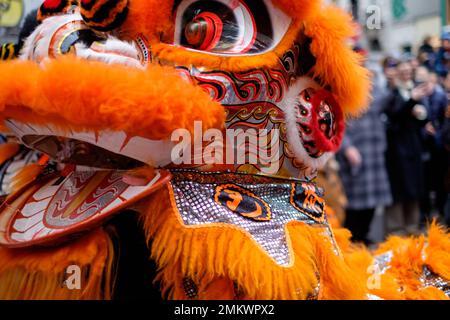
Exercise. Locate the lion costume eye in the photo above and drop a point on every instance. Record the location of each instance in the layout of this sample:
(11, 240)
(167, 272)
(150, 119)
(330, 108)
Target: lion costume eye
(228, 27)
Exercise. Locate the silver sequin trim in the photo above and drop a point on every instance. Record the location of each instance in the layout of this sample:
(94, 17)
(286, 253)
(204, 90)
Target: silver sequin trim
(430, 279)
(196, 205)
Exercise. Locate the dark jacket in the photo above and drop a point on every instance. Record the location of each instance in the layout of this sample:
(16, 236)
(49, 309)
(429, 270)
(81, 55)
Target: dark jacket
(436, 105)
(446, 142)
(404, 147)
(442, 62)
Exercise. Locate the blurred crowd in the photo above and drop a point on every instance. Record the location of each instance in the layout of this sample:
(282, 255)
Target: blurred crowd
(397, 155)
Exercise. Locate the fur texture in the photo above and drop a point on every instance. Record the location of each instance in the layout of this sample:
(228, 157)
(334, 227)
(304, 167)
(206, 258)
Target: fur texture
(112, 51)
(151, 103)
(294, 140)
(337, 66)
(226, 254)
(402, 278)
(39, 273)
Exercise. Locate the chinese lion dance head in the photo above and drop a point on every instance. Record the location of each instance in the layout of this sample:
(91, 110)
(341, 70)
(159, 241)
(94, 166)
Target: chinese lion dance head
(99, 90)
(227, 64)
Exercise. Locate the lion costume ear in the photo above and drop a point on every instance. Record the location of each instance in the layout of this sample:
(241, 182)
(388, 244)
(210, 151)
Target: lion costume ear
(337, 65)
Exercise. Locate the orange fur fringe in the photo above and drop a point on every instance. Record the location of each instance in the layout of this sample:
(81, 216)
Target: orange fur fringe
(39, 273)
(411, 255)
(151, 103)
(337, 65)
(151, 18)
(215, 257)
(401, 281)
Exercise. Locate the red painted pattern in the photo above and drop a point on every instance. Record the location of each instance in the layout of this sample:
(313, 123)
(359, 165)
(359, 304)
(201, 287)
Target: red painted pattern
(52, 4)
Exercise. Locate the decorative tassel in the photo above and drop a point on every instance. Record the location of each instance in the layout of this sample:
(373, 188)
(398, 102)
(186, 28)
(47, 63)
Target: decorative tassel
(39, 273)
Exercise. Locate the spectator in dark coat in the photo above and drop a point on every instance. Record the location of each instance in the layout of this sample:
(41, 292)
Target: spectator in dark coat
(427, 55)
(363, 169)
(406, 114)
(434, 156)
(446, 142)
(443, 56)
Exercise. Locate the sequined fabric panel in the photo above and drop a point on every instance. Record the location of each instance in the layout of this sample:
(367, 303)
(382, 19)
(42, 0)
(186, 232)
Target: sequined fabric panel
(430, 279)
(262, 210)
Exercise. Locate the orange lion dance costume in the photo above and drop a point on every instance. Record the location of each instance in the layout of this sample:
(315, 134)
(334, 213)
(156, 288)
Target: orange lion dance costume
(206, 120)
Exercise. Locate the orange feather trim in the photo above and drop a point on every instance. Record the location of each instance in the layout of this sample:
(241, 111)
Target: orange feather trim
(151, 18)
(76, 94)
(337, 65)
(39, 273)
(340, 277)
(437, 252)
(299, 9)
(402, 279)
(226, 254)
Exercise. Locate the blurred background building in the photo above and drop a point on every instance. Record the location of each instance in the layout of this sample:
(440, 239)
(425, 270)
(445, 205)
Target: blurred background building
(404, 23)
(12, 13)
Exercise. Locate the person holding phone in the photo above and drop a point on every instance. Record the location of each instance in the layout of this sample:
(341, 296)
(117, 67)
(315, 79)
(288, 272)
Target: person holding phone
(406, 115)
(434, 153)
